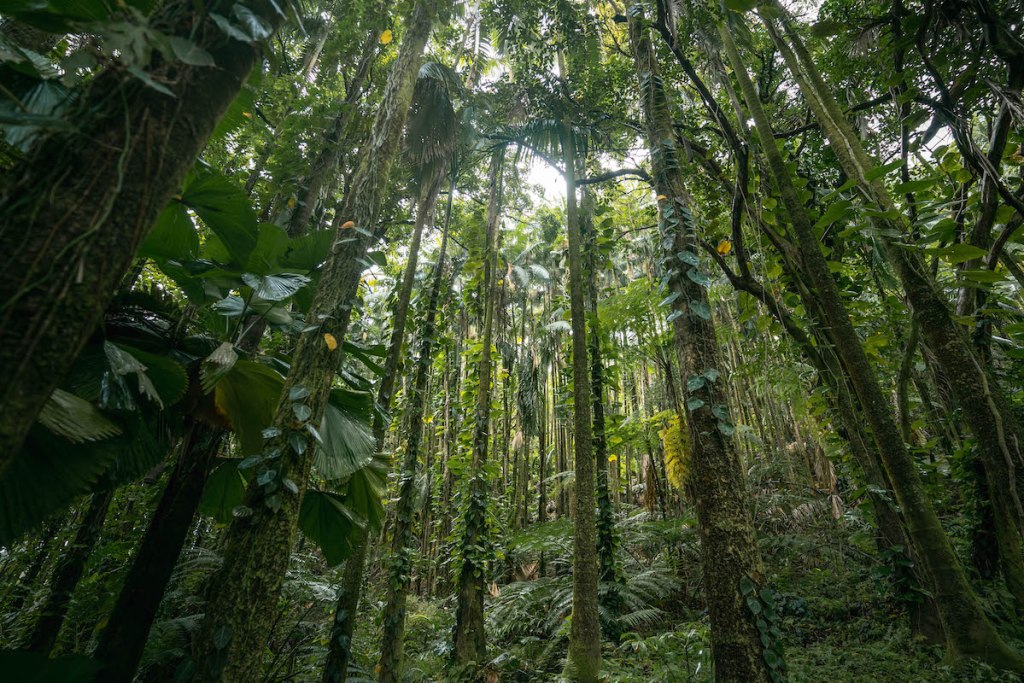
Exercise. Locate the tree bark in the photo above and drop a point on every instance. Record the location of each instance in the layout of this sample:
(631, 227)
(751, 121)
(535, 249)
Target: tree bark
(80, 206)
(968, 631)
(243, 593)
(729, 552)
(122, 642)
(585, 633)
(470, 645)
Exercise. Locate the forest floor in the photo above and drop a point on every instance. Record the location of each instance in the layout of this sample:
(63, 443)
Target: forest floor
(839, 615)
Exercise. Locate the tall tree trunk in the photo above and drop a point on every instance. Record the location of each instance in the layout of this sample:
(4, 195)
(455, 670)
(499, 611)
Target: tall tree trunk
(349, 595)
(470, 645)
(322, 170)
(982, 402)
(403, 538)
(729, 551)
(968, 631)
(585, 633)
(67, 573)
(123, 640)
(243, 593)
(76, 212)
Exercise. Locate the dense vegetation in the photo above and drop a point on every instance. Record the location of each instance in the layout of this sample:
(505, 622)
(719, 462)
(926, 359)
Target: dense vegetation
(511, 340)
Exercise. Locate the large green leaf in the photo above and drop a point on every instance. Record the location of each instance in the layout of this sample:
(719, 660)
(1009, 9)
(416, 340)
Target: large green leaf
(50, 472)
(166, 376)
(173, 237)
(275, 287)
(224, 491)
(248, 396)
(24, 666)
(366, 490)
(326, 521)
(225, 208)
(76, 419)
(346, 439)
(308, 251)
(271, 244)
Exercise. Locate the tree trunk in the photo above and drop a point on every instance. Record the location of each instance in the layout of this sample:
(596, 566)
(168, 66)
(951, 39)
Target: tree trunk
(122, 642)
(403, 538)
(729, 551)
(968, 631)
(470, 645)
(76, 211)
(67, 573)
(243, 593)
(585, 633)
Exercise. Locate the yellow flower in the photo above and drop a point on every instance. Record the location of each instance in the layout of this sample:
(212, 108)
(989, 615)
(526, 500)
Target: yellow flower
(613, 458)
(331, 342)
(386, 37)
(724, 247)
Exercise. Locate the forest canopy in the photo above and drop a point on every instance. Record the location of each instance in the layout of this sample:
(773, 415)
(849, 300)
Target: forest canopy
(508, 340)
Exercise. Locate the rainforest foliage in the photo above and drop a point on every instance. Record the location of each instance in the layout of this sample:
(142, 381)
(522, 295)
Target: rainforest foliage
(509, 340)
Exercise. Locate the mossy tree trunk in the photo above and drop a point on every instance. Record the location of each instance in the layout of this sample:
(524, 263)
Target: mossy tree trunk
(243, 593)
(729, 552)
(403, 537)
(64, 252)
(67, 573)
(982, 402)
(470, 645)
(968, 631)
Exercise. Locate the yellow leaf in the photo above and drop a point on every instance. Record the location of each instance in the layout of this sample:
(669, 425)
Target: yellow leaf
(613, 458)
(386, 37)
(292, 201)
(246, 114)
(662, 197)
(724, 247)
(331, 342)
(348, 224)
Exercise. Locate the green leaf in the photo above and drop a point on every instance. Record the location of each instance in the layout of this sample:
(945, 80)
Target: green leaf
(173, 237)
(326, 521)
(836, 212)
(308, 251)
(695, 382)
(216, 365)
(25, 666)
(275, 287)
(958, 253)
(694, 404)
(75, 419)
(271, 245)
(225, 208)
(740, 6)
(166, 376)
(347, 443)
(248, 396)
(224, 491)
(190, 53)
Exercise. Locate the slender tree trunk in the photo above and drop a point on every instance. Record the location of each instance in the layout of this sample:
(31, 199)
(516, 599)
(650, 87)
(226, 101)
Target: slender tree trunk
(729, 551)
(65, 251)
(605, 512)
(242, 594)
(322, 169)
(123, 640)
(585, 633)
(968, 631)
(403, 538)
(982, 402)
(470, 645)
(67, 573)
